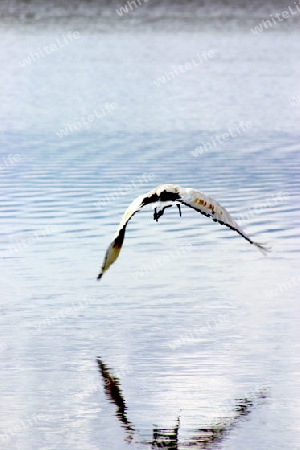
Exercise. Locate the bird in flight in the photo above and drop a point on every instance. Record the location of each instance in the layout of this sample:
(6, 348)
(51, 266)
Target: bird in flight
(165, 196)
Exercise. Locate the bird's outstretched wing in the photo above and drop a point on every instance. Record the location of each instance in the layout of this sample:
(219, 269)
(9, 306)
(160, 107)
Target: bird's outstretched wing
(209, 207)
(166, 195)
(115, 246)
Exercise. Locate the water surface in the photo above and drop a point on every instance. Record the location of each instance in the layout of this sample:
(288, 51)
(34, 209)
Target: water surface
(191, 318)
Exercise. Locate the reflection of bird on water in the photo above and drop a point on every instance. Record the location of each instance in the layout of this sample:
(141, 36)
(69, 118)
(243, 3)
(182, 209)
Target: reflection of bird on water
(163, 197)
(168, 438)
(112, 389)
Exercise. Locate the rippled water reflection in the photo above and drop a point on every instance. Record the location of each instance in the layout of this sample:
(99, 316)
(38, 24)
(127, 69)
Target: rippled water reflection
(192, 336)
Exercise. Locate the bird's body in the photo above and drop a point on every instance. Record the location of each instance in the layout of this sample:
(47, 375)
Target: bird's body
(165, 196)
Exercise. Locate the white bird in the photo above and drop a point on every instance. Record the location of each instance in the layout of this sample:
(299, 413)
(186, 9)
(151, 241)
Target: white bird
(166, 195)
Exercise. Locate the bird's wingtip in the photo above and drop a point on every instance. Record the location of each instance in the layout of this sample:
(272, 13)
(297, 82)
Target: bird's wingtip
(264, 248)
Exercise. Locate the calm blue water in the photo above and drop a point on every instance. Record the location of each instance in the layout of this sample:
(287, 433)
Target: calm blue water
(191, 317)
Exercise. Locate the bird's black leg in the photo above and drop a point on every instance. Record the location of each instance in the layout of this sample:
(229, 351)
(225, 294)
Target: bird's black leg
(157, 215)
(178, 206)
